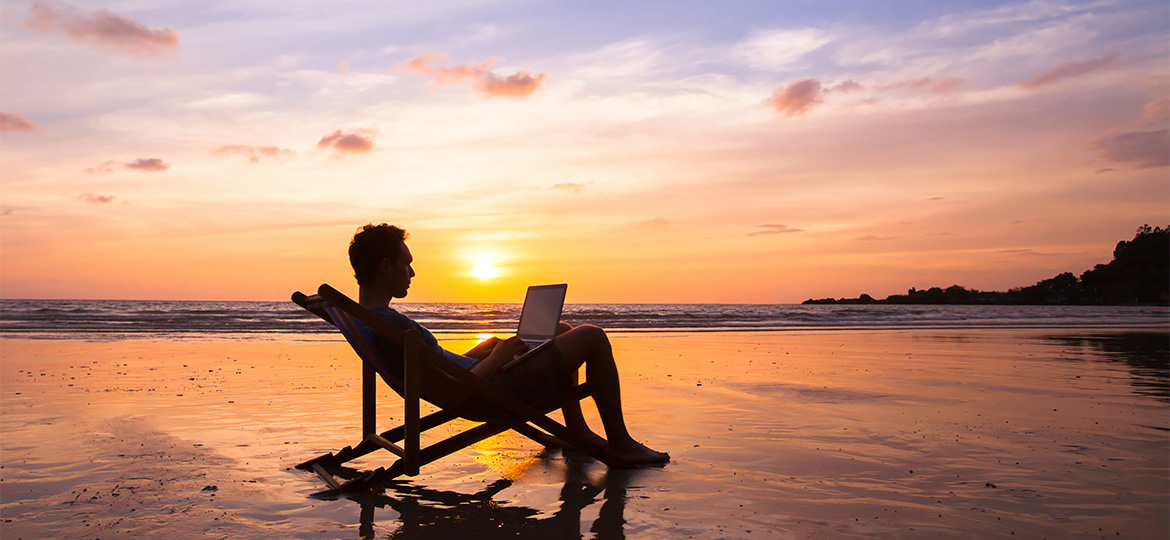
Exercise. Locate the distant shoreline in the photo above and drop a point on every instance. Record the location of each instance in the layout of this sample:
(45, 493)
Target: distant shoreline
(1138, 275)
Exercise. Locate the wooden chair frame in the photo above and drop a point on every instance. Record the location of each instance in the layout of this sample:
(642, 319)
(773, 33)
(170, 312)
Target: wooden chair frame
(342, 312)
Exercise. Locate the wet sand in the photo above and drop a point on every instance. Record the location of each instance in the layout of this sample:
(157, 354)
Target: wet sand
(827, 434)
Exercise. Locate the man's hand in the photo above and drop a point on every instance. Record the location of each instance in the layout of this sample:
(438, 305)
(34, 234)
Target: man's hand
(506, 350)
(503, 352)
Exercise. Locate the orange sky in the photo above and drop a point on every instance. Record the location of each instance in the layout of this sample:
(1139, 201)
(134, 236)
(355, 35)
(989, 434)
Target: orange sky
(762, 154)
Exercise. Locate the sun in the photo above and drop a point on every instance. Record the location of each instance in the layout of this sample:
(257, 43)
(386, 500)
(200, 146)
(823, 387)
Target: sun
(484, 266)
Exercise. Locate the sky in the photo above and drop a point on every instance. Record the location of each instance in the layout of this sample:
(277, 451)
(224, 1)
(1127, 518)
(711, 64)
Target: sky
(729, 152)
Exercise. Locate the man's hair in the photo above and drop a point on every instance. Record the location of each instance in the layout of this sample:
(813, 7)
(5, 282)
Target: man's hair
(370, 245)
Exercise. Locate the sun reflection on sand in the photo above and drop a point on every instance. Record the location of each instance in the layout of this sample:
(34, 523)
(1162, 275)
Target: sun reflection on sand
(508, 454)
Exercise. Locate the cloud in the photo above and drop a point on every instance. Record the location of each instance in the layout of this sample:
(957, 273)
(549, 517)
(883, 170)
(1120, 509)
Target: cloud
(103, 28)
(15, 122)
(97, 199)
(1070, 69)
(106, 167)
(847, 86)
(926, 84)
(1158, 110)
(796, 98)
(484, 82)
(148, 165)
(343, 67)
(939, 86)
(1143, 148)
(656, 222)
(254, 153)
(875, 238)
(775, 228)
(516, 86)
(569, 186)
(355, 142)
(775, 50)
(1033, 253)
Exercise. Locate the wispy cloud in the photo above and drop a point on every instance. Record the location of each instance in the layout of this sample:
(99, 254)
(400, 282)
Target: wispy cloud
(1071, 69)
(926, 84)
(106, 167)
(1033, 253)
(775, 228)
(1142, 148)
(656, 222)
(15, 122)
(97, 199)
(102, 28)
(254, 153)
(779, 49)
(148, 165)
(876, 238)
(484, 82)
(569, 186)
(354, 142)
(846, 86)
(796, 98)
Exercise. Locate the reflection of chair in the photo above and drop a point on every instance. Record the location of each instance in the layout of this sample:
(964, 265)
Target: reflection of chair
(425, 513)
(423, 364)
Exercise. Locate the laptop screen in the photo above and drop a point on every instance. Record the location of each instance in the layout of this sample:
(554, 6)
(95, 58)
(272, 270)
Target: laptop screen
(542, 311)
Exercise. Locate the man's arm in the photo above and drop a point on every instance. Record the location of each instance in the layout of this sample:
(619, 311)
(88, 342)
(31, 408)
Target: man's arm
(481, 351)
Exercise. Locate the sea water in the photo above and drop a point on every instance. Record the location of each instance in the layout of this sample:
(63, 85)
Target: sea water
(114, 319)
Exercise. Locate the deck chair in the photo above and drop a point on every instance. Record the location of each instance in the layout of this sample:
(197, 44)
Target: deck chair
(420, 363)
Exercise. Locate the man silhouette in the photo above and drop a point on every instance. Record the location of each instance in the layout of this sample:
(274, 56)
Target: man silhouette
(382, 264)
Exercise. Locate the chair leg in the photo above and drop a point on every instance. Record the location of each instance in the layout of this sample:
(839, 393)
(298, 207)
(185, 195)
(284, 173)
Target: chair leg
(369, 400)
(411, 389)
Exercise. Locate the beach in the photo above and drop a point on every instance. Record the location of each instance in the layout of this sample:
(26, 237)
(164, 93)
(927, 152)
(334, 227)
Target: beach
(855, 433)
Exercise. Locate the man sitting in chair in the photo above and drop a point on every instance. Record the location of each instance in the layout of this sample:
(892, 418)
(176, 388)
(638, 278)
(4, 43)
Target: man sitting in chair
(382, 265)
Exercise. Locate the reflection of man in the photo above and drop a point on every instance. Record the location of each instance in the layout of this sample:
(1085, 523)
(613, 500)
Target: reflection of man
(382, 265)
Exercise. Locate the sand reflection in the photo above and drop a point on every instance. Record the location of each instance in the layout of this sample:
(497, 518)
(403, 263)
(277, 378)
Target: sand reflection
(425, 513)
(1024, 433)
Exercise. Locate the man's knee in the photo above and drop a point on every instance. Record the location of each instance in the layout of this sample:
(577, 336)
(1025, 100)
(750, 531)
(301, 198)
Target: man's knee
(563, 327)
(594, 334)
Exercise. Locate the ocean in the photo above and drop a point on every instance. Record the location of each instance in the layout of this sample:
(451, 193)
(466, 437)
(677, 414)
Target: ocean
(135, 319)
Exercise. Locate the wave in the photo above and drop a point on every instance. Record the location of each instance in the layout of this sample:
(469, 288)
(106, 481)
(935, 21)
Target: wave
(64, 319)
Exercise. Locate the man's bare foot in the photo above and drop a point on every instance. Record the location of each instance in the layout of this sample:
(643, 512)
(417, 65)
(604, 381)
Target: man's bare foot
(636, 453)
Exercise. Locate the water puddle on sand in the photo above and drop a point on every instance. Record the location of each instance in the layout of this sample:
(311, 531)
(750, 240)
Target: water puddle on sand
(907, 434)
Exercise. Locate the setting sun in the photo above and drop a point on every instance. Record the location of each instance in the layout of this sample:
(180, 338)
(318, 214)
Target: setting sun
(484, 267)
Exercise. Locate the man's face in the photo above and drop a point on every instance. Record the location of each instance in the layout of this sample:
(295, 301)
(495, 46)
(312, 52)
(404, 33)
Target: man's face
(399, 272)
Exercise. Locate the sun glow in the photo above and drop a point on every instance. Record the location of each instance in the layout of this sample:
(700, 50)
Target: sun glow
(484, 267)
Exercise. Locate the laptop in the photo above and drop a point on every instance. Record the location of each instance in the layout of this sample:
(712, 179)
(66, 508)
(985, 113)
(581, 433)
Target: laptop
(539, 318)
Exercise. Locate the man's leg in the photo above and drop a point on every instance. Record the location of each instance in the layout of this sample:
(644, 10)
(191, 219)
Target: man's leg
(590, 346)
(574, 418)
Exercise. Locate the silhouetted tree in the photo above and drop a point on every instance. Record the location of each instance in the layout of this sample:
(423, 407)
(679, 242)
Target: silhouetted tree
(1138, 274)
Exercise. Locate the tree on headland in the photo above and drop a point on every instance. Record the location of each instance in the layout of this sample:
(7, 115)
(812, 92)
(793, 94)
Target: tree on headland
(1138, 274)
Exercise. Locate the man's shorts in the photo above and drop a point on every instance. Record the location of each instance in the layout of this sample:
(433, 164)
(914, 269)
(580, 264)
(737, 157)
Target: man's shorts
(538, 377)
